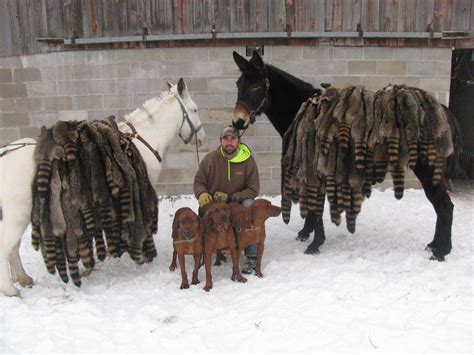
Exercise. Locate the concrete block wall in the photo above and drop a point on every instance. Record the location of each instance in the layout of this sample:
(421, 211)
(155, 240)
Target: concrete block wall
(42, 89)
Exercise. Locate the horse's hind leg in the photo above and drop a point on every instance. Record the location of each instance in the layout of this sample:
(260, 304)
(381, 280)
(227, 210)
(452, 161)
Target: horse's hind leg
(439, 198)
(18, 272)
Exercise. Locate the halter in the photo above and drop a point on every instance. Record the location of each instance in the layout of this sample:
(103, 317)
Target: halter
(194, 130)
(259, 109)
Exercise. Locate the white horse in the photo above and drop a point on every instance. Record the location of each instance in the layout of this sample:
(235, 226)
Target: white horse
(157, 122)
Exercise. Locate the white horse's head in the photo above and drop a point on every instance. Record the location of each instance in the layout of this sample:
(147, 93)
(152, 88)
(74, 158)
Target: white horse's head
(191, 129)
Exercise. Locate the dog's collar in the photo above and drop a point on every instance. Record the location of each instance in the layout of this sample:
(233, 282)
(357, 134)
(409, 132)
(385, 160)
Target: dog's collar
(185, 241)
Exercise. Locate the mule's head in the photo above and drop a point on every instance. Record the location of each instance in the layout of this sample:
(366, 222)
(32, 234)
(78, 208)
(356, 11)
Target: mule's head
(191, 129)
(253, 86)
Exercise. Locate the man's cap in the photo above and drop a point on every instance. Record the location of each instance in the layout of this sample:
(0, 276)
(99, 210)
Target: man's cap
(230, 131)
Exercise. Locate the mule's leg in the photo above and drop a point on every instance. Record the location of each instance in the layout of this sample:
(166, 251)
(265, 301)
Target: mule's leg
(308, 227)
(439, 198)
(319, 237)
(18, 272)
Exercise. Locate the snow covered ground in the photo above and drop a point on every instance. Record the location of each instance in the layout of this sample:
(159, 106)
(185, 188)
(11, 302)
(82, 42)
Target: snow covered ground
(374, 291)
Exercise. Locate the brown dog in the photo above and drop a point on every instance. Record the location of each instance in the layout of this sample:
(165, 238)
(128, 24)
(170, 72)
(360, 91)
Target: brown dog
(218, 234)
(187, 240)
(249, 226)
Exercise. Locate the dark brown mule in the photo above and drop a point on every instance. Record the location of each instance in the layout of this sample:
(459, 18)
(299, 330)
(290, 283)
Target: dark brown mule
(263, 88)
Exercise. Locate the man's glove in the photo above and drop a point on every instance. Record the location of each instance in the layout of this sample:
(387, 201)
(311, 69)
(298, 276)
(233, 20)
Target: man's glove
(223, 197)
(204, 199)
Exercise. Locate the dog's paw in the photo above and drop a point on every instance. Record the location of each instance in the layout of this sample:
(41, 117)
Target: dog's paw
(184, 286)
(207, 287)
(259, 274)
(195, 282)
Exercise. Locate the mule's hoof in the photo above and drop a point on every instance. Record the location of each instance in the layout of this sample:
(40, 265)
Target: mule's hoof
(437, 258)
(311, 251)
(302, 237)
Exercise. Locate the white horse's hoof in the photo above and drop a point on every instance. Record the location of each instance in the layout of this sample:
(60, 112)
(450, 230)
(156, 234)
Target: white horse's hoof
(25, 281)
(11, 291)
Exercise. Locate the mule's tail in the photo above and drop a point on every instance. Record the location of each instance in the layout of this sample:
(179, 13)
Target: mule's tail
(453, 169)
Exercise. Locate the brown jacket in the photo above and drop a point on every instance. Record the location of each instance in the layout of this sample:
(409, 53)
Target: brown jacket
(237, 177)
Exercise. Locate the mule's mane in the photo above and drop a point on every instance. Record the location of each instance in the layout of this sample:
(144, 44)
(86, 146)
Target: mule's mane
(290, 80)
(147, 111)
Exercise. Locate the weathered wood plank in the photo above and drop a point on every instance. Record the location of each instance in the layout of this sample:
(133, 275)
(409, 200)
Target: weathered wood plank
(370, 15)
(442, 15)
(406, 21)
(329, 15)
(221, 15)
(388, 17)
(239, 18)
(183, 17)
(73, 19)
(258, 16)
(352, 14)
(202, 16)
(423, 14)
(462, 15)
(276, 16)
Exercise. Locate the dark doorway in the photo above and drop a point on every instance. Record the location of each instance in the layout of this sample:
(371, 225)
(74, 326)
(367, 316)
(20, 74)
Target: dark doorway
(461, 103)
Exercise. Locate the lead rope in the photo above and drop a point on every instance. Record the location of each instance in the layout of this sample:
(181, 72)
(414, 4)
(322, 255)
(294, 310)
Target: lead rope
(197, 149)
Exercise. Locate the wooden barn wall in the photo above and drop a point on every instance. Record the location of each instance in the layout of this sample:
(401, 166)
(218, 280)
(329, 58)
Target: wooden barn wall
(23, 21)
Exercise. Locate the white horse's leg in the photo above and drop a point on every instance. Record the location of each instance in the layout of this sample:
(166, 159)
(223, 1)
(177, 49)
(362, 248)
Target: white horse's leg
(16, 267)
(11, 230)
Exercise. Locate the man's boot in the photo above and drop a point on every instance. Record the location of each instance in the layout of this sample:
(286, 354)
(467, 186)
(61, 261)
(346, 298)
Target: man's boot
(249, 265)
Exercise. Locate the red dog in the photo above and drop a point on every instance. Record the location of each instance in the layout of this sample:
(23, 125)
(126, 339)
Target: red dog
(187, 240)
(218, 234)
(249, 226)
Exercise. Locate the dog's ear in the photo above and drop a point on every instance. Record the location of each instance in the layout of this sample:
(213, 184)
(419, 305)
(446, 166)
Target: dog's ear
(174, 233)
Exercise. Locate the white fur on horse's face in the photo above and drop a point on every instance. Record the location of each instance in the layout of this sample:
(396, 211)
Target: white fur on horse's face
(192, 110)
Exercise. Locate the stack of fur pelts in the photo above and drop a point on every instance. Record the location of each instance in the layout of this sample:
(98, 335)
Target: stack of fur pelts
(91, 183)
(345, 141)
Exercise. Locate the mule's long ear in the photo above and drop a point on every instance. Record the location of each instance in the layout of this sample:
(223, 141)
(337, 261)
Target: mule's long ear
(241, 62)
(257, 61)
(170, 84)
(181, 87)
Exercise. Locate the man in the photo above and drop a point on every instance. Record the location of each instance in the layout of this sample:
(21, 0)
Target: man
(229, 174)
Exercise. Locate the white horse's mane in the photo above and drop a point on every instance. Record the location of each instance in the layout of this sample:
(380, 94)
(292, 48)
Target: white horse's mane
(149, 108)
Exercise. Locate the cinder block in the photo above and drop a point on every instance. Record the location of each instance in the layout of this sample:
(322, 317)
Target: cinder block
(376, 82)
(58, 103)
(27, 104)
(421, 68)
(160, 54)
(435, 84)
(270, 188)
(89, 102)
(196, 84)
(257, 144)
(174, 70)
(193, 53)
(213, 129)
(265, 174)
(32, 132)
(316, 80)
(140, 99)
(62, 73)
(344, 80)
(407, 80)
(72, 87)
(15, 119)
(11, 62)
(222, 116)
(333, 67)
(160, 189)
(39, 119)
(8, 105)
(224, 54)
(391, 68)
(42, 88)
(316, 52)
(5, 75)
(8, 135)
(276, 174)
(408, 54)
(359, 67)
(267, 159)
(131, 55)
(70, 58)
(139, 86)
(302, 67)
(183, 175)
(21, 75)
(210, 69)
(210, 100)
(378, 53)
(230, 99)
(276, 144)
(283, 53)
(348, 53)
(115, 71)
(117, 101)
(437, 54)
(230, 69)
(266, 129)
(100, 114)
(443, 68)
(72, 115)
(100, 57)
(82, 72)
(13, 90)
(180, 160)
(221, 84)
(102, 86)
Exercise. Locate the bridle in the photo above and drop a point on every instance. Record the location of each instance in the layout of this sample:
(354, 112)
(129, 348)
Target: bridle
(253, 113)
(194, 130)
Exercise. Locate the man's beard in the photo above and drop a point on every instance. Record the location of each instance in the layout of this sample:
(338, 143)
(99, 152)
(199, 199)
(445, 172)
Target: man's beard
(230, 149)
